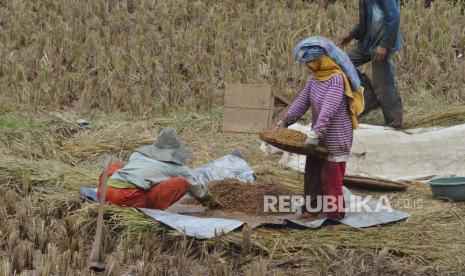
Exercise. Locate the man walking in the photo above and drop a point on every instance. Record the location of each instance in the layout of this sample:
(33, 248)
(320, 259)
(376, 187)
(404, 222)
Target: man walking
(379, 37)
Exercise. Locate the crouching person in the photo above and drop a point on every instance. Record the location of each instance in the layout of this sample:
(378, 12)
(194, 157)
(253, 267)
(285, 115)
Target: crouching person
(334, 94)
(156, 176)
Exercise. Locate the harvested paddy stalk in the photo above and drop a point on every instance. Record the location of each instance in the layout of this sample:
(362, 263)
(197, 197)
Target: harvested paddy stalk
(447, 116)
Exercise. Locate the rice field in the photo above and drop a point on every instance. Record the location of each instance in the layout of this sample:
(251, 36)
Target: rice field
(133, 67)
(150, 57)
(45, 228)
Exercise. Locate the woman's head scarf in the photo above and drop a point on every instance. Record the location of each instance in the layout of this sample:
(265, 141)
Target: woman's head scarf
(326, 60)
(315, 47)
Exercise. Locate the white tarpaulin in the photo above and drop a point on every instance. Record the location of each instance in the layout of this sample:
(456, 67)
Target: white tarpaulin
(385, 152)
(202, 228)
(209, 227)
(234, 166)
(358, 217)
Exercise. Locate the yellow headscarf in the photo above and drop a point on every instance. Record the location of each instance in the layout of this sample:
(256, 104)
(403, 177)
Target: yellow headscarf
(323, 69)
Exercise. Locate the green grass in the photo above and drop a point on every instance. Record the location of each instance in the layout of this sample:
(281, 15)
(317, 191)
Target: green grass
(16, 124)
(16, 121)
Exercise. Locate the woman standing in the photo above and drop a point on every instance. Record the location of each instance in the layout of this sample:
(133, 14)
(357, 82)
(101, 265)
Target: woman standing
(335, 96)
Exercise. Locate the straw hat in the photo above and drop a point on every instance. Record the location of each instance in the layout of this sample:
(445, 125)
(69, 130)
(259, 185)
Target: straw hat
(168, 148)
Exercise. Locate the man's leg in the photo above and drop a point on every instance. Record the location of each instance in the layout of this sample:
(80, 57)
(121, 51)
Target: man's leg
(370, 99)
(385, 86)
(166, 193)
(359, 58)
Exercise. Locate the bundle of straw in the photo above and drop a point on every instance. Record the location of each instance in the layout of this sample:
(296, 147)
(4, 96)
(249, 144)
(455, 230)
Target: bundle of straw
(447, 116)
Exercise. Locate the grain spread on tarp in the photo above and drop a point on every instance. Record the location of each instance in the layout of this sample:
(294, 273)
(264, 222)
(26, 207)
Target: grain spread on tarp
(242, 197)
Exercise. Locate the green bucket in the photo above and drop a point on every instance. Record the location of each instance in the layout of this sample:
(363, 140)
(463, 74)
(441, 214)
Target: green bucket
(448, 188)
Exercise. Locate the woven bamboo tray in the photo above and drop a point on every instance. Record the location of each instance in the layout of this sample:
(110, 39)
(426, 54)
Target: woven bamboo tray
(317, 151)
(372, 183)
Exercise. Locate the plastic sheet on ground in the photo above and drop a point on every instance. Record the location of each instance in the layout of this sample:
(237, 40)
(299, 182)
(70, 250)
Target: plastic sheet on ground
(202, 228)
(397, 155)
(204, 225)
(357, 216)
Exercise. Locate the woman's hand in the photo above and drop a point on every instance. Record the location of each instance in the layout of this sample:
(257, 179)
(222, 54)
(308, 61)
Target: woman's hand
(311, 141)
(215, 204)
(280, 123)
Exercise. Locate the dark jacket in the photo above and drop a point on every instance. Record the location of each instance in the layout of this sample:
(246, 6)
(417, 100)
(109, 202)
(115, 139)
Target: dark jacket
(391, 34)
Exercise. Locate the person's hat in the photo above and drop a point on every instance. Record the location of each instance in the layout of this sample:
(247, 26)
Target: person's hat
(168, 147)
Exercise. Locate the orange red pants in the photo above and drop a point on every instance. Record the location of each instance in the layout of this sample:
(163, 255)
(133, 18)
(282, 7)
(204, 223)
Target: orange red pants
(325, 178)
(160, 196)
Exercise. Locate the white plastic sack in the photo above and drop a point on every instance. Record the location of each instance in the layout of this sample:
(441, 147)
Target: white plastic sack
(229, 166)
(388, 153)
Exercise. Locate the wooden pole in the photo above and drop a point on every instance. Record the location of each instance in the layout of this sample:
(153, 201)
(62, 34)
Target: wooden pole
(95, 260)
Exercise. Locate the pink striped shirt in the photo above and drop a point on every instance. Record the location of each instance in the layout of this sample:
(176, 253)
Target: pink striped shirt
(330, 114)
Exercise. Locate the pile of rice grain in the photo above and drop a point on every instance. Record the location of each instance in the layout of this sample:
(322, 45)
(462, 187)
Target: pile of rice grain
(246, 198)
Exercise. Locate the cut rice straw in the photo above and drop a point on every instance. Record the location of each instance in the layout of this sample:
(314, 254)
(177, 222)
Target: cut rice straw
(448, 116)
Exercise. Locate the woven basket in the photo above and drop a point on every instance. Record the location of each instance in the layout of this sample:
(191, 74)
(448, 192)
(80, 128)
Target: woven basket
(318, 151)
(372, 183)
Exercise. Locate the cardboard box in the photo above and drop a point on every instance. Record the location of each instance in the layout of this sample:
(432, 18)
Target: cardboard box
(251, 108)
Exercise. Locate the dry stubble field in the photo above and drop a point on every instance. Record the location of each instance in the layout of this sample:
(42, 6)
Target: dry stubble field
(164, 63)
